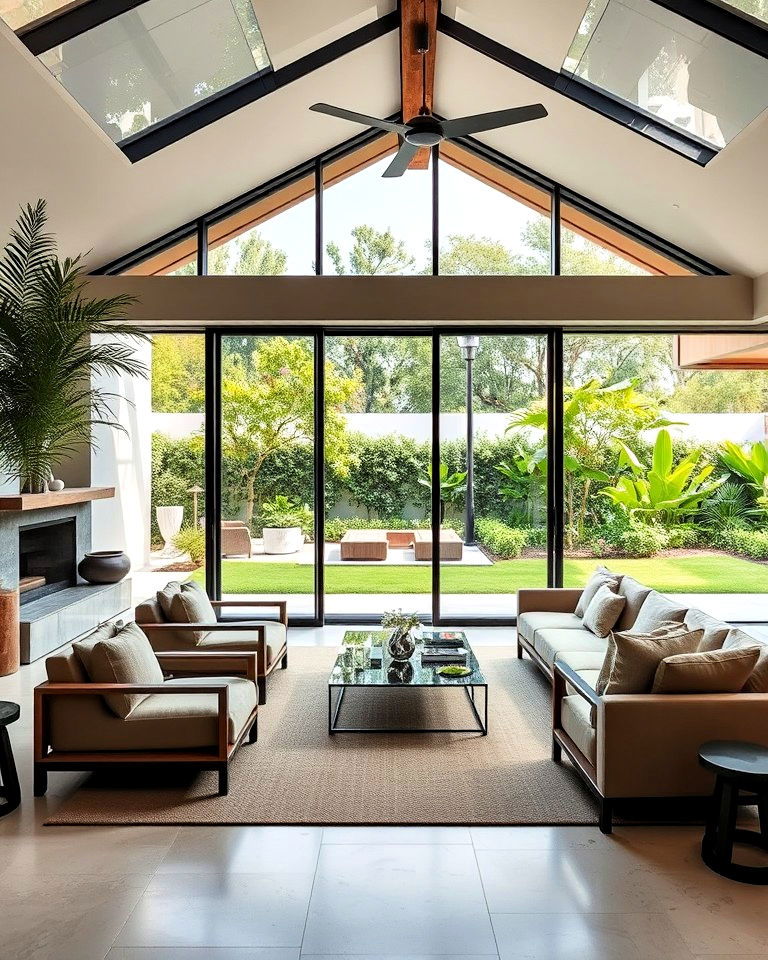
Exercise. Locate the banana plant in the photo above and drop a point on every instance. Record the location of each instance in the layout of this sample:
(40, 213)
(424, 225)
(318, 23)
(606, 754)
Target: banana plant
(666, 492)
(751, 463)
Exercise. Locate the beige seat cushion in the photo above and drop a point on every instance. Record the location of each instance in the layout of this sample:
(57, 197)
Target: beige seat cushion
(236, 640)
(635, 593)
(579, 660)
(715, 631)
(549, 643)
(529, 623)
(601, 577)
(758, 679)
(710, 671)
(575, 720)
(125, 658)
(161, 722)
(603, 611)
(638, 656)
(656, 611)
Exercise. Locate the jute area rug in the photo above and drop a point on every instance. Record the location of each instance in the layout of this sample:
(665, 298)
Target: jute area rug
(298, 774)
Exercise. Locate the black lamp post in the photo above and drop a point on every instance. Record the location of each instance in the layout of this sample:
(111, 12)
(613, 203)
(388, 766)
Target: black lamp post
(469, 347)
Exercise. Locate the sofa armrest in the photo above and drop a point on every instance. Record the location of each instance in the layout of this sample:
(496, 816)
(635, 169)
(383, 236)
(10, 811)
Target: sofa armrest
(210, 663)
(550, 599)
(647, 744)
(218, 625)
(564, 674)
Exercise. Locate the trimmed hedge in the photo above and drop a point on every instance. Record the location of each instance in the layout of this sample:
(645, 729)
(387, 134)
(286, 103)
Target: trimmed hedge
(643, 540)
(750, 543)
(501, 540)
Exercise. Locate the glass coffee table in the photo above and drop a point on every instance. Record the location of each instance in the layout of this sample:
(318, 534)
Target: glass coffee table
(353, 669)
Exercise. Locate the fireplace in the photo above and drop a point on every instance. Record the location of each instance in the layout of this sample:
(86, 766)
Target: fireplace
(47, 558)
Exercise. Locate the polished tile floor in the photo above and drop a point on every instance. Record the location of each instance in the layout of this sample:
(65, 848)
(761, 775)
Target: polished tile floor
(278, 893)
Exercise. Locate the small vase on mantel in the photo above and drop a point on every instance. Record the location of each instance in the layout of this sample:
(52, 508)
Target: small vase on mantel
(10, 652)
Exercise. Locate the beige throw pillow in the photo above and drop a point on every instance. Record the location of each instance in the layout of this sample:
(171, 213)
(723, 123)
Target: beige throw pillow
(655, 611)
(603, 611)
(715, 631)
(601, 577)
(638, 656)
(126, 658)
(610, 654)
(165, 598)
(758, 679)
(82, 648)
(191, 605)
(712, 671)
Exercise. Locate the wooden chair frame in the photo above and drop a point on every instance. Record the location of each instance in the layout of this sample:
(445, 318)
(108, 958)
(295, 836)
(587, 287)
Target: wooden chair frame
(216, 759)
(263, 669)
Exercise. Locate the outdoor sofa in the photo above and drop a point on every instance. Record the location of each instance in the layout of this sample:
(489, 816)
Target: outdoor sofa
(632, 746)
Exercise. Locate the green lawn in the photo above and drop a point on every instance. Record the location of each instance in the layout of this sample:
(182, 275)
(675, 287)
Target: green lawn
(705, 572)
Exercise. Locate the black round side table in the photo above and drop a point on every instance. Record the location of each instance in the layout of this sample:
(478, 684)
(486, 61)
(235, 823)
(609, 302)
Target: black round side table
(10, 792)
(738, 766)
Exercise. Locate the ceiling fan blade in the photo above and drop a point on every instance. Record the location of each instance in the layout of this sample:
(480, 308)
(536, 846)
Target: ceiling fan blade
(465, 126)
(363, 118)
(403, 157)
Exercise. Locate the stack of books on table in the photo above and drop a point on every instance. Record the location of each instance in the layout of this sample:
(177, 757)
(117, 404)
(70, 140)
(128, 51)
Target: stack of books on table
(443, 646)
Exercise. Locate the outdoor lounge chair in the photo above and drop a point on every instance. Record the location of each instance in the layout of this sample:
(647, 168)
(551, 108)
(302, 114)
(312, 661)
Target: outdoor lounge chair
(235, 539)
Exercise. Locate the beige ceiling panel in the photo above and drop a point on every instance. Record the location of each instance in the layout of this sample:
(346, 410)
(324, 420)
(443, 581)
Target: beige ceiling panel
(540, 29)
(294, 28)
(717, 212)
(99, 201)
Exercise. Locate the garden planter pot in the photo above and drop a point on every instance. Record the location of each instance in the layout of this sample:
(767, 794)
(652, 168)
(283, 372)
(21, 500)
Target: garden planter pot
(104, 566)
(283, 539)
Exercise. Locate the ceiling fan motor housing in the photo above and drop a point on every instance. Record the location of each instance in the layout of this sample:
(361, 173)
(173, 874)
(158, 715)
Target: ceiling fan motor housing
(424, 131)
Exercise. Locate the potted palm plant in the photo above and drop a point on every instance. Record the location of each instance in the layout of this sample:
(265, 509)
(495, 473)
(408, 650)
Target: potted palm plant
(284, 520)
(53, 341)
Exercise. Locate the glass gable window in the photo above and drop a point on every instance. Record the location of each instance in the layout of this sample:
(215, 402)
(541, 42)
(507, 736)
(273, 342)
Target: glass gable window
(669, 68)
(159, 59)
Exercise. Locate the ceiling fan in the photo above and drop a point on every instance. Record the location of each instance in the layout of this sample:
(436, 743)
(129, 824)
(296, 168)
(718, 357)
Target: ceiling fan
(418, 32)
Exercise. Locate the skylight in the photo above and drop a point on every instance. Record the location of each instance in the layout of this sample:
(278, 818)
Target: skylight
(18, 13)
(158, 60)
(670, 68)
(758, 9)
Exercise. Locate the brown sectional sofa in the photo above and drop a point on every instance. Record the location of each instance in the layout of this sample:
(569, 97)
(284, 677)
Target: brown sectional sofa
(640, 745)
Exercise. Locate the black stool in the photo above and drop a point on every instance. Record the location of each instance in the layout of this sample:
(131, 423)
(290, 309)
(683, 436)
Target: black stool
(10, 792)
(739, 767)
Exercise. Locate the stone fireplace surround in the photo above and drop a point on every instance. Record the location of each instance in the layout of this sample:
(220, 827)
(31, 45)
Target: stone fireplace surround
(55, 619)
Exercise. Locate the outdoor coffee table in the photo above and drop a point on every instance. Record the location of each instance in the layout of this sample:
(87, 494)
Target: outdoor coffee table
(353, 671)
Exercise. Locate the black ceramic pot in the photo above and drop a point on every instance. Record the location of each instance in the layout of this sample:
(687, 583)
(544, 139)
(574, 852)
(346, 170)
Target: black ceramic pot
(104, 566)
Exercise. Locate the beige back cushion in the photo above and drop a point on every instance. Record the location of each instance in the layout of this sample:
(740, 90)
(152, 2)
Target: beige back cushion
(601, 577)
(83, 647)
(126, 658)
(603, 611)
(715, 631)
(711, 671)
(638, 656)
(635, 594)
(165, 598)
(656, 611)
(191, 605)
(149, 611)
(65, 668)
(758, 679)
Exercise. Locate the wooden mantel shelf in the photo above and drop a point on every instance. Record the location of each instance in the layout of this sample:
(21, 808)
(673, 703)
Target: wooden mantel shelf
(60, 498)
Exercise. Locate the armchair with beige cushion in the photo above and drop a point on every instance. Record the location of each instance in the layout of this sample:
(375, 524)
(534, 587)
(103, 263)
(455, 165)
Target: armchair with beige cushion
(641, 744)
(108, 702)
(182, 617)
(235, 539)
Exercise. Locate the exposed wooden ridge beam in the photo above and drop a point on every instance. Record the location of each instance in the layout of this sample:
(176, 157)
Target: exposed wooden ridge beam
(418, 29)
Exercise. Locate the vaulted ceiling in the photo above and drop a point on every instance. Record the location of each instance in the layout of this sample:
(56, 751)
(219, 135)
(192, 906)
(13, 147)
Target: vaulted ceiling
(101, 201)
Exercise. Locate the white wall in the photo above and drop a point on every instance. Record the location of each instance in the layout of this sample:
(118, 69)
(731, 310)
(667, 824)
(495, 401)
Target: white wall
(124, 460)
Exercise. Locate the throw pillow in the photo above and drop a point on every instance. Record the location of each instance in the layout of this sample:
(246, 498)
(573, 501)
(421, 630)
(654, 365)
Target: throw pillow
(82, 648)
(165, 598)
(638, 656)
(125, 658)
(635, 593)
(655, 611)
(715, 631)
(712, 671)
(191, 605)
(758, 679)
(610, 654)
(601, 577)
(603, 611)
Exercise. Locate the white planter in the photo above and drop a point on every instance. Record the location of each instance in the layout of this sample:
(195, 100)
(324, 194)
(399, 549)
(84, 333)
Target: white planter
(169, 519)
(283, 539)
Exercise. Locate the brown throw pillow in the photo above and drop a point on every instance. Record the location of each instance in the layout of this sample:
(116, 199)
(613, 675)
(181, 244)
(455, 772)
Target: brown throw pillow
(126, 658)
(638, 656)
(191, 605)
(758, 679)
(603, 611)
(610, 654)
(712, 671)
(601, 577)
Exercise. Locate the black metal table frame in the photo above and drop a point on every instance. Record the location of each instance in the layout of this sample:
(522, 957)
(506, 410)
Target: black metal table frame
(469, 690)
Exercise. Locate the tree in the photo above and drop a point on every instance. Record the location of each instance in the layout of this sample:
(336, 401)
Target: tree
(374, 252)
(716, 391)
(268, 404)
(469, 255)
(250, 255)
(178, 373)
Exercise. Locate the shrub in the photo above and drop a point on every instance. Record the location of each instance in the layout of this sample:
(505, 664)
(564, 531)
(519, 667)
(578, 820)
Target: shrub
(642, 540)
(192, 541)
(536, 536)
(751, 543)
(683, 538)
(501, 540)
